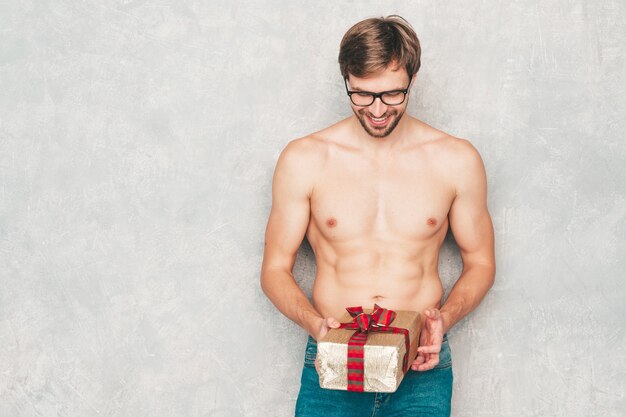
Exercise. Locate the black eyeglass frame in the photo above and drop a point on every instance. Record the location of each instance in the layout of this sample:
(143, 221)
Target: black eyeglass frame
(377, 95)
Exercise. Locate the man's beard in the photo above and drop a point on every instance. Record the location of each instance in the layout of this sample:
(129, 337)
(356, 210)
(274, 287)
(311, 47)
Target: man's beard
(379, 132)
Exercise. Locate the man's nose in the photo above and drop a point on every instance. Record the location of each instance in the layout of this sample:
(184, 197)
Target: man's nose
(378, 108)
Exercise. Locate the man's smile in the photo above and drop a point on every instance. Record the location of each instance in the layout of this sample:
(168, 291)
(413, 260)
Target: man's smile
(379, 121)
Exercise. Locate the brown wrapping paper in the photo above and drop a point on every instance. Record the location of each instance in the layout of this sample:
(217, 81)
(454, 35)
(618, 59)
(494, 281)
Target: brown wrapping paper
(383, 354)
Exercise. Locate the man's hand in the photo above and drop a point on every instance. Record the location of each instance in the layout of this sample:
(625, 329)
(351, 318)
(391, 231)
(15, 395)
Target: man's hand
(325, 325)
(430, 341)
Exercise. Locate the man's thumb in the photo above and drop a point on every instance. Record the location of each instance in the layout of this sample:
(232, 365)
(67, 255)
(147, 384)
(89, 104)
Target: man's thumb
(332, 323)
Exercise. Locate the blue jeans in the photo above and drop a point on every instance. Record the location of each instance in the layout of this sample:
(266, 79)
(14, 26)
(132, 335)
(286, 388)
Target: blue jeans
(421, 393)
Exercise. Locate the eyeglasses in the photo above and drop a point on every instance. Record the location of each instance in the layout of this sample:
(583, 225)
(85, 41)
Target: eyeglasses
(366, 98)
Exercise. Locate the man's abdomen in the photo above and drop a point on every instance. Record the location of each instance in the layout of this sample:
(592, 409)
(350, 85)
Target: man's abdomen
(401, 287)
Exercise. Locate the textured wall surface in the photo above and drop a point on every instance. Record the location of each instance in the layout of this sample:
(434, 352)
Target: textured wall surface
(137, 145)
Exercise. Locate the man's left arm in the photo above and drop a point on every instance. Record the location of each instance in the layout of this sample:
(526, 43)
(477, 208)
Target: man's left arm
(473, 231)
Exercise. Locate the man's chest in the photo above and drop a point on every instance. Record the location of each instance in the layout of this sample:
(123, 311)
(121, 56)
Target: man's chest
(352, 201)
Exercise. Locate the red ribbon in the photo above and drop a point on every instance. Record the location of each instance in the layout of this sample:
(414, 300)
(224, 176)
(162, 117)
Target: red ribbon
(378, 321)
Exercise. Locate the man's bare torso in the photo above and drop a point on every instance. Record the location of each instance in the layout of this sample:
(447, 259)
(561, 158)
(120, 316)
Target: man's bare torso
(377, 222)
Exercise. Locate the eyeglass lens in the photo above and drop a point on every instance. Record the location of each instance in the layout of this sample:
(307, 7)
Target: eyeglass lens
(365, 99)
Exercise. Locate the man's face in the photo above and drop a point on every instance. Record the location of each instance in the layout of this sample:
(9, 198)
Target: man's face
(379, 119)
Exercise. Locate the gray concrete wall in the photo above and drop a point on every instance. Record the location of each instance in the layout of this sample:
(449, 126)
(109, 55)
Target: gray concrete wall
(137, 145)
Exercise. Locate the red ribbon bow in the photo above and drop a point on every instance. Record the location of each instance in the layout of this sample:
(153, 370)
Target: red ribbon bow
(378, 321)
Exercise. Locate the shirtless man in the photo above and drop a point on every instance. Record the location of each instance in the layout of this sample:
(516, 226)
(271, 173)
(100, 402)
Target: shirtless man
(374, 194)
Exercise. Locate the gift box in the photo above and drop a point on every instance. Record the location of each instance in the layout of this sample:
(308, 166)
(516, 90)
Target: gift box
(371, 351)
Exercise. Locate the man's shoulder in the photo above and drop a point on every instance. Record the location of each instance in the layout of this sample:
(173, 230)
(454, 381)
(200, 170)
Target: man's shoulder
(453, 157)
(306, 145)
(451, 148)
(462, 153)
(304, 158)
(307, 150)
(313, 149)
(462, 166)
(458, 149)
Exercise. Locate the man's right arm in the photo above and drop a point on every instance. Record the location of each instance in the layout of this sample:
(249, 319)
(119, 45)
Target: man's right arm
(289, 217)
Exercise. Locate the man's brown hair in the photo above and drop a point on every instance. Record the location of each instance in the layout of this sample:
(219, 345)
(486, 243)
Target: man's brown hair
(372, 44)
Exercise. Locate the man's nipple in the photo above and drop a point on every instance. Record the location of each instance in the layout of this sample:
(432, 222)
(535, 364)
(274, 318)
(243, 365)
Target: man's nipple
(331, 222)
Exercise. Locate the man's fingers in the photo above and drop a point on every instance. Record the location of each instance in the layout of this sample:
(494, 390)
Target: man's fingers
(417, 362)
(420, 359)
(430, 364)
(429, 349)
